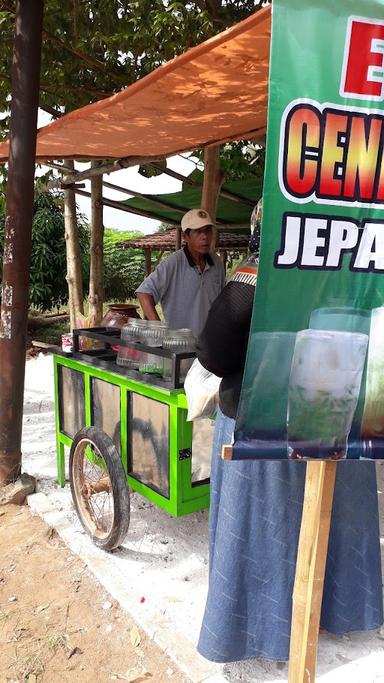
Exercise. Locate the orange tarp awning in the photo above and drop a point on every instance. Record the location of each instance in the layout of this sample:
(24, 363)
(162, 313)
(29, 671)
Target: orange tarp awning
(215, 92)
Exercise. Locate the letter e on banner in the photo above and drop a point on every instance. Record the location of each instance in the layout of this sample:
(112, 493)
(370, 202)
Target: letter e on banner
(363, 67)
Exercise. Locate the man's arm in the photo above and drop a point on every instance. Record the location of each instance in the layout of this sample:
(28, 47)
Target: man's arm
(153, 289)
(147, 303)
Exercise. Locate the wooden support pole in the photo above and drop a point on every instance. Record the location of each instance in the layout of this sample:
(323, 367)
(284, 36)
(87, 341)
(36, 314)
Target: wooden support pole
(223, 256)
(96, 268)
(148, 260)
(310, 567)
(178, 237)
(106, 167)
(213, 180)
(72, 246)
(18, 232)
(310, 570)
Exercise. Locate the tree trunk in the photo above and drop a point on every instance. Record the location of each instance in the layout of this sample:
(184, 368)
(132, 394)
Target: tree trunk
(213, 180)
(18, 232)
(36, 321)
(72, 244)
(96, 270)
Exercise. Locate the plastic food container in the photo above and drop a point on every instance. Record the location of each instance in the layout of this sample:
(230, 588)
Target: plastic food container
(180, 341)
(154, 332)
(132, 332)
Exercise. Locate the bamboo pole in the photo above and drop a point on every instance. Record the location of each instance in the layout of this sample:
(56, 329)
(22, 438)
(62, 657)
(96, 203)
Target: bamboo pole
(72, 245)
(213, 180)
(69, 180)
(148, 262)
(194, 183)
(96, 269)
(310, 570)
(178, 237)
(104, 167)
(223, 256)
(139, 212)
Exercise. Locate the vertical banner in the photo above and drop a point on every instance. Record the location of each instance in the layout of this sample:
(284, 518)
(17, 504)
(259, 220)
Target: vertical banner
(314, 378)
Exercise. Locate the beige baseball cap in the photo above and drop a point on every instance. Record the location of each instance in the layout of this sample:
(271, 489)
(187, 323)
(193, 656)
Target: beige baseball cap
(195, 219)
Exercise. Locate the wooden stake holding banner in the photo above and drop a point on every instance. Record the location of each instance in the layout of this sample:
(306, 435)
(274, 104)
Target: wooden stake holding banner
(310, 570)
(310, 567)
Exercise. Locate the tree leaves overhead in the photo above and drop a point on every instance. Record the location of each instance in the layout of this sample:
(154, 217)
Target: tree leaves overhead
(93, 48)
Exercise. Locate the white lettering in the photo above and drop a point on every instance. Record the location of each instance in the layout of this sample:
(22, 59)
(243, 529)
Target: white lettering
(288, 256)
(371, 248)
(375, 73)
(303, 237)
(343, 236)
(312, 241)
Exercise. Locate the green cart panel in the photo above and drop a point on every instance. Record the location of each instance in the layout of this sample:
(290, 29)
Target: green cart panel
(149, 442)
(71, 401)
(105, 409)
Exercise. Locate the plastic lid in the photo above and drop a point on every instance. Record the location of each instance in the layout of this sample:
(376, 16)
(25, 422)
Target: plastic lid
(182, 332)
(157, 324)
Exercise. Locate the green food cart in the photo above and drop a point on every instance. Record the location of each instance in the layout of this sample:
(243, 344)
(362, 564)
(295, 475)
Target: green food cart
(126, 432)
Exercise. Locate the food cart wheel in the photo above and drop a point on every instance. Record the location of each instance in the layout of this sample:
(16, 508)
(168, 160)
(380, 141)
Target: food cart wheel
(99, 487)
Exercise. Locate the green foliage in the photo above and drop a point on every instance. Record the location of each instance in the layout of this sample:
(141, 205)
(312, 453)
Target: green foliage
(124, 269)
(237, 160)
(48, 286)
(51, 334)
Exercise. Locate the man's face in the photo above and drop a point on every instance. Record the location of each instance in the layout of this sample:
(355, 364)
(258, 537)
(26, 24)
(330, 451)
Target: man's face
(200, 240)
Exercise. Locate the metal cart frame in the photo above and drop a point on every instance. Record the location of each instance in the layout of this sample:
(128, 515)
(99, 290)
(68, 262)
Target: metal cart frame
(183, 496)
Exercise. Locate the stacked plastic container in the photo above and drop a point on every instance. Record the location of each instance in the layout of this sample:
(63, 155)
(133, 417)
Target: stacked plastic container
(132, 332)
(181, 341)
(154, 333)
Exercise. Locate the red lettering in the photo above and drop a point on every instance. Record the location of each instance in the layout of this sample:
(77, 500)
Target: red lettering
(332, 155)
(301, 150)
(363, 58)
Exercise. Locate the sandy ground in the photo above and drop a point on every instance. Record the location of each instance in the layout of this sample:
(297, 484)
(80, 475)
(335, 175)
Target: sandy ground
(165, 560)
(57, 623)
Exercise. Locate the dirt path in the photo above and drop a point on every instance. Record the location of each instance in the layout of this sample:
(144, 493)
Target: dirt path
(57, 624)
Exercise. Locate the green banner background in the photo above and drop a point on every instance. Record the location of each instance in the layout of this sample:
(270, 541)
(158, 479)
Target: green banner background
(307, 51)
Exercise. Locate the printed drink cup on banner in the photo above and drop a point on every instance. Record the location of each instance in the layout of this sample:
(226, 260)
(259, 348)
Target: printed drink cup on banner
(262, 417)
(324, 387)
(341, 318)
(372, 428)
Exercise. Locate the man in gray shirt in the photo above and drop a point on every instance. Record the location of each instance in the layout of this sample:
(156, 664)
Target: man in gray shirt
(187, 282)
